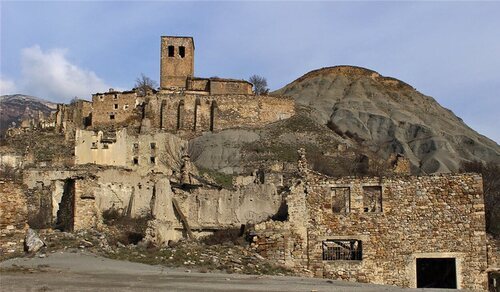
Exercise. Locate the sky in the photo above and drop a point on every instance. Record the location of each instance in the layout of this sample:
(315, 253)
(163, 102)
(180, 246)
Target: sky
(448, 50)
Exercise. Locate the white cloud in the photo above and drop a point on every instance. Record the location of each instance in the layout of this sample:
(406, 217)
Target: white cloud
(50, 75)
(7, 86)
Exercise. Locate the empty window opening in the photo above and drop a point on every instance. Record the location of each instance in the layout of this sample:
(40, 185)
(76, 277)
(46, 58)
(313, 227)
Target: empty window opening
(170, 51)
(342, 249)
(115, 106)
(125, 107)
(436, 273)
(101, 98)
(341, 200)
(182, 51)
(94, 145)
(153, 145)
(135, 160)
(115, 96)
(111, 117)
(66, 213)
(152, 159)
(372, 199)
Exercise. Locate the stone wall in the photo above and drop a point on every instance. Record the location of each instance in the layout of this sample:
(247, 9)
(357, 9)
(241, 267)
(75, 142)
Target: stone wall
(218, 209)
(230, 86)
(137, 195)
(13, 216)
(175, 68)
(431, 216)
(143, 152)
(198, 113)
(114, 108)
(13, 207)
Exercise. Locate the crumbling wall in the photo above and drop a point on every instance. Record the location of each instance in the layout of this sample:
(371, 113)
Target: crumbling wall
(199, 113)
(87, 215)
(13, 216)
(431, 216)
(144, 152)
(13, 207)
(217, 209)
(113, 108)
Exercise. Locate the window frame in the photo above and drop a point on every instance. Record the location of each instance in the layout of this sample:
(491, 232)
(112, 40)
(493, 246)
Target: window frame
(337, 253)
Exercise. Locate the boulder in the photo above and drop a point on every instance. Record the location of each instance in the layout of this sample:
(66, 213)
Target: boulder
(32, 242)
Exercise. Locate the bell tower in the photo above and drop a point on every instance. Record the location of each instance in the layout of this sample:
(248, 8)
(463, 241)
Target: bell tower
(177, 61)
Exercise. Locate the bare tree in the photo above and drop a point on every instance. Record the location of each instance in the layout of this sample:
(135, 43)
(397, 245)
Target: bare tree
(259, 84)
(143, 84)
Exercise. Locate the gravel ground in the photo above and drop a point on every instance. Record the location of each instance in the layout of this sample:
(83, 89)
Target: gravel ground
(77, 271)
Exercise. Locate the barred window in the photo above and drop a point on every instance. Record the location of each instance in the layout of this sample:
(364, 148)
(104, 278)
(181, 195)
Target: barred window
(342, 249)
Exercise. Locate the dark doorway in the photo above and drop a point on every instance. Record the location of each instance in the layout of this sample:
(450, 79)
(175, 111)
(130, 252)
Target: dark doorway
(66, 213)
(436, 273)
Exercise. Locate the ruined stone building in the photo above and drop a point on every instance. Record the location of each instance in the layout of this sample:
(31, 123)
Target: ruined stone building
(406, 231)
(185, 103)
(131, 155)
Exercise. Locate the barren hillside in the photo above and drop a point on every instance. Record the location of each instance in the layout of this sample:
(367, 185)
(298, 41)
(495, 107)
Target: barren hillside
(390, 116)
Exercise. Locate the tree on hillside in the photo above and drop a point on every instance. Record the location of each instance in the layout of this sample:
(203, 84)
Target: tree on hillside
(143, 84)
(259, 84)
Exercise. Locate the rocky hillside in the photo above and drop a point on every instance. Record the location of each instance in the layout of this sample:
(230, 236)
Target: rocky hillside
(389, 116)
(14, 108)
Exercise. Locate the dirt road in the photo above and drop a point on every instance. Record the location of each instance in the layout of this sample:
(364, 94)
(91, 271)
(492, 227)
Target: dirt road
(65, 271)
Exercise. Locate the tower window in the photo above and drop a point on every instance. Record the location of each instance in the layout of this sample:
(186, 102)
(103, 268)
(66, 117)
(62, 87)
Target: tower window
(116, 106)
(135, 160)
(182, 51)
(152, 159)
(170, 51)
(111, 117)
(153, 145)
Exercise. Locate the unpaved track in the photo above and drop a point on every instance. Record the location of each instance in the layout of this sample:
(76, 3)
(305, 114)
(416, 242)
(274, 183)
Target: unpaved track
(86, 272)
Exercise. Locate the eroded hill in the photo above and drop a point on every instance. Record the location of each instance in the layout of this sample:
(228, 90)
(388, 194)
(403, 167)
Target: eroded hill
(390, 116)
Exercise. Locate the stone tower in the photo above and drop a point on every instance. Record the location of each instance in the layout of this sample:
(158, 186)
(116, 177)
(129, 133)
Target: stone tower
(177, 61)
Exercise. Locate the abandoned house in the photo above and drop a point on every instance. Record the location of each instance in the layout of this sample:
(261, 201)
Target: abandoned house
(408, 231)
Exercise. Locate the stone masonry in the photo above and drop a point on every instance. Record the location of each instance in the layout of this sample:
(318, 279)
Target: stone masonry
(439, 216)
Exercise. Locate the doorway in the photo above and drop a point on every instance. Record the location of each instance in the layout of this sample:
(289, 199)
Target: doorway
(436, 273)
(66, 213)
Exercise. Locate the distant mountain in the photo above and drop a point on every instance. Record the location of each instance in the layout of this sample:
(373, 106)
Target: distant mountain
(14, 108)
(390, 116)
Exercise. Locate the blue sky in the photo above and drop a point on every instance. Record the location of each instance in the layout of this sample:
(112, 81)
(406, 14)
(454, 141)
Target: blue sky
(448, 50)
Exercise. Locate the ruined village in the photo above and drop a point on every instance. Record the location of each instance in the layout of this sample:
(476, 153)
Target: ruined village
(130, 154)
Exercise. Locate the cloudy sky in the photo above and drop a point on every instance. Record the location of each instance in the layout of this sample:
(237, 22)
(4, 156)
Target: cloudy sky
(448, 50)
